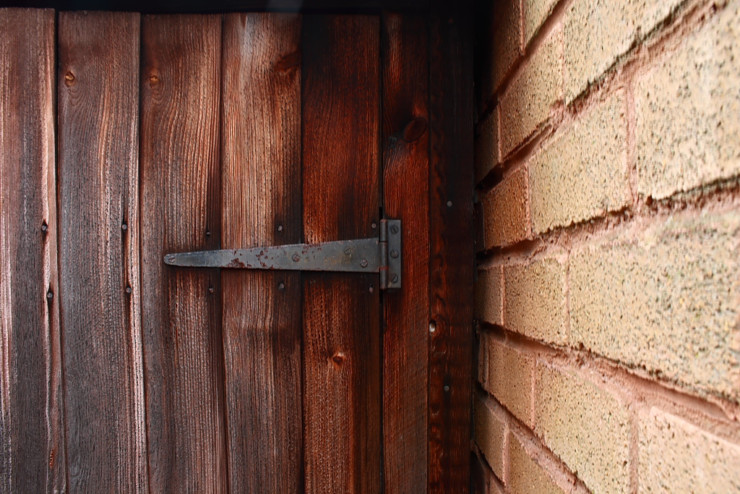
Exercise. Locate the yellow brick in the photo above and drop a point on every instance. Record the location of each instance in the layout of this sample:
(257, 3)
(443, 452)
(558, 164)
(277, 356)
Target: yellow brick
(532, 94)
(583, 173)
(490, 430)
(488, 296)
(502, 45)
(505, 211)
(666, 299)
(525, 475)
(535, 299)
(676, 456)
(598, 32)
(687, 111)
(486, 146)
(585, 426)
(535, 14)
(510, 377)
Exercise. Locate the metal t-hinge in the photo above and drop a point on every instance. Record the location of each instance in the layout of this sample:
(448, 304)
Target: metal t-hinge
(367, 255)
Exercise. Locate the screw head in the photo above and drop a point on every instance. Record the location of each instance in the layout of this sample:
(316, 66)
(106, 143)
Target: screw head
(211, 289)
(49, 295)
(128, 290)
(363, 263)
(395, 278)
(296, 258)
(124, 227)
(280, 228)
(281, 286)
(348, 251)
(394, 229)
(394, 253)
(373, 225)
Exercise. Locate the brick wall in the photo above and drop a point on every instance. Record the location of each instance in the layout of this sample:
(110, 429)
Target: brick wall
(608, 289)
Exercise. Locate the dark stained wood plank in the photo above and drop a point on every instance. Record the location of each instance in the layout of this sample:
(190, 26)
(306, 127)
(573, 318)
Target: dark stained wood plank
(341, 79)
(198, 6)
(180, 148)
(98, 98)
(452, 257)
(31, 418)
(406, 196)
(261, 184)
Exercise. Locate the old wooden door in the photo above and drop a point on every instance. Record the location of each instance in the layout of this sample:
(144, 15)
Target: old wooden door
(126, 137)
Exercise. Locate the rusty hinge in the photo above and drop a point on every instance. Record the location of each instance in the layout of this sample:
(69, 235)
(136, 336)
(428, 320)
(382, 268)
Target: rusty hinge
(367, 255)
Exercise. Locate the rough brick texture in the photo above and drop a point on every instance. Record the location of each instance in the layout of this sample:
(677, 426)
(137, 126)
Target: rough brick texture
(505, 211)
(490, 430)
(590, 157)
(488, 296)
(506, 40)
(535, 299)
(609, 287)
(687, 111)
(676, 456)
(535, 14)
(585, 426)
(486, 146)
(508, 376)
(525, 475)
(598, 32)
(532, 94)
(667, 299)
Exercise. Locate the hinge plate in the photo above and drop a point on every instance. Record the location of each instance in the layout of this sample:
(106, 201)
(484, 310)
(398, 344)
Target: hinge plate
(368, 255)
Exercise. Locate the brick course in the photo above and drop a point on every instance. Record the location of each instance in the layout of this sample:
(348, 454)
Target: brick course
(535, 299)
(665, 299)
(598, 32)
(508, 377)
(676, 456)
(505, 211)
(532, 94)
(587, 427)
(589, 157)
(687, 109)
(525, 475)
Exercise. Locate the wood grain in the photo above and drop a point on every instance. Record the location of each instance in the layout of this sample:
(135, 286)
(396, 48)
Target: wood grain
(180, 148)
(341, 78)
(31, 418)
(99, 251)
(196, 6)
(261, 180)
(406, 196)
(451, 234)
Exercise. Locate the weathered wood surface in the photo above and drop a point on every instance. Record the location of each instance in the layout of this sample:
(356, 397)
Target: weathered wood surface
(180, 157)
(31, 419)
(341, 78)
(451, 234)
(261, 203)
(406, 196)
(197, 6)
(98, 98)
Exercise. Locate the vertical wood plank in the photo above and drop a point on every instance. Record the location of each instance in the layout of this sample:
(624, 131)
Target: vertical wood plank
(451, 233)
(31, 418)
(341, 79)
(406, 196)
(261, 180)
(180, 148)
(99, 251)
